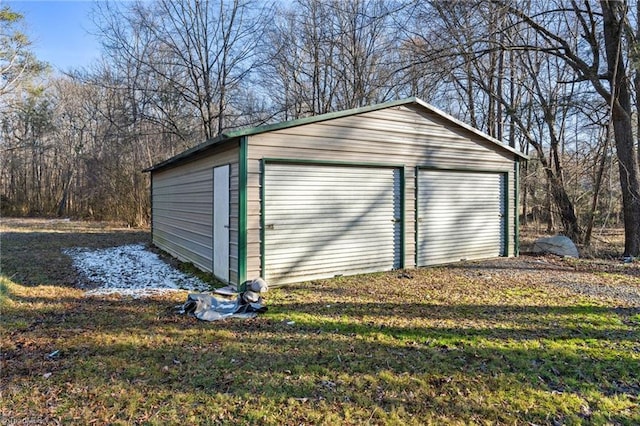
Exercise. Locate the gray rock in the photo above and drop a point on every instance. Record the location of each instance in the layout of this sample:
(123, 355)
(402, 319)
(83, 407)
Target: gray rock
(558, 244)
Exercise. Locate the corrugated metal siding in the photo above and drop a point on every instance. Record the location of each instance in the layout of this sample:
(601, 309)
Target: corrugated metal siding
(324, 220)
(398, 135)
(182, 218)
(461, 215)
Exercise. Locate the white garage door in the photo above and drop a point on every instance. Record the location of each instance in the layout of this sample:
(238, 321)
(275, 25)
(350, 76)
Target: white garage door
(326, 220)
(461, 215)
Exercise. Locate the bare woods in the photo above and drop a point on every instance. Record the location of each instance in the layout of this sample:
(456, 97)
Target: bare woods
(558, 80)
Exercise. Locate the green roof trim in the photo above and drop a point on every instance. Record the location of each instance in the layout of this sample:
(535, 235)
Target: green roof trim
(235, 134)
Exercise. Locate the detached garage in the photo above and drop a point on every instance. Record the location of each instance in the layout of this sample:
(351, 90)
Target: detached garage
(394, 185)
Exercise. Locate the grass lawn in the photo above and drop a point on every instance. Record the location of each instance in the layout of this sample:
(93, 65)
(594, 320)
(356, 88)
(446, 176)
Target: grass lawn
(507, 341)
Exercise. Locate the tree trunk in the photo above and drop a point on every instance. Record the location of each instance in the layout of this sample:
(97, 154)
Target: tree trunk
(62, 205)
(621, 113)
(596, 189)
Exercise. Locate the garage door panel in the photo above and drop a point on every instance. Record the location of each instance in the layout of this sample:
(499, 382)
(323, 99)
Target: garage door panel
(374, 197)
(293, 176)
(445, 237)
(300, 227)
(331, 245)
(456, 255)
(445, 218)
(285, 260)
(325, 220)
(325, 241)
(478, 245)
(308, 271)
(320, 182)
(309, 214)
(460, 215)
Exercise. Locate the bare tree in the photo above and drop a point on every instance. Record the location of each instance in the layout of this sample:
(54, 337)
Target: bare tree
(496, 84)
(331, 55)
(300, 57)
(366, 46)
(202, 50)
(610, 80)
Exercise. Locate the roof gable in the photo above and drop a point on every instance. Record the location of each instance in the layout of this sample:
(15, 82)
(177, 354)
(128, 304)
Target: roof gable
(236, 134)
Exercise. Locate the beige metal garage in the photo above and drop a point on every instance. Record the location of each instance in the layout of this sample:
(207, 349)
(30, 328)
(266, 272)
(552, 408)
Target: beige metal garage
(394, 185)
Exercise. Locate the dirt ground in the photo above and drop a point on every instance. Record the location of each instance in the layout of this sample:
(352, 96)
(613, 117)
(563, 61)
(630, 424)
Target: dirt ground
(31, 249)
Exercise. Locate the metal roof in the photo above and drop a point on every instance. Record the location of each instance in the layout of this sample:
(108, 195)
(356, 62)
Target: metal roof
(234, 135)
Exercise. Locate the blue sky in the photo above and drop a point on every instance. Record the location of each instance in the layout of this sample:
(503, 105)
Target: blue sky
(60, 31)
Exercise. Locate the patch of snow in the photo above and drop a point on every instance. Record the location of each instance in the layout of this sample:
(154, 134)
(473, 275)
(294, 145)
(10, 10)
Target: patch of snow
(130, 270)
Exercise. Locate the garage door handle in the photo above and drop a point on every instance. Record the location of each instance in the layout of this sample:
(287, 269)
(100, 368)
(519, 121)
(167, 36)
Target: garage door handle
(270, 226)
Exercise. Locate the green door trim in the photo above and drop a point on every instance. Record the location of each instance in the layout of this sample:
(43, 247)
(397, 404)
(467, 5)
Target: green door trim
(242, 210)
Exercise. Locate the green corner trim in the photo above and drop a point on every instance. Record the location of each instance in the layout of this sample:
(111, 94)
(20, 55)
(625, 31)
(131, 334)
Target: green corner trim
(516, 208)
(416, 240)
(242, 211)
(151, 204)
(403, 222)
(506, 214)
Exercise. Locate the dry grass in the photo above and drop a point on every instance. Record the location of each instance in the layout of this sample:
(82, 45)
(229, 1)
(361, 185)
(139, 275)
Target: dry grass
(497, 342)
